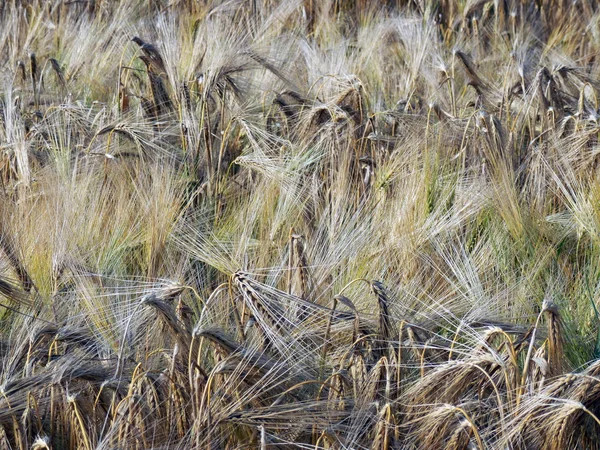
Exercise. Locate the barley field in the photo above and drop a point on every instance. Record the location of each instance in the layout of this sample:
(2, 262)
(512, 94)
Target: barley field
(299, 224)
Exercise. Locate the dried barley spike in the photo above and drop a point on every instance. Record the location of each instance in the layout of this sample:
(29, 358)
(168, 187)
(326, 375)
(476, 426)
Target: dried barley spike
(385, 326)
(162, 101)
(22, 69)
(555, 339)
(269, 315)
(33, 67)
(18, 267)
(123, 99)
(541, 76)
(152, 54)
(185, 95)
(474, 80)
(215, 335)
(348, 303)
(301, 284)
(61, 78)
(149, 108)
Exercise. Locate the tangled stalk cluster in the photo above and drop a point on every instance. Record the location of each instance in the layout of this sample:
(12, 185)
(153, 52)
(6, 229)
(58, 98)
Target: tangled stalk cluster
(299, 224)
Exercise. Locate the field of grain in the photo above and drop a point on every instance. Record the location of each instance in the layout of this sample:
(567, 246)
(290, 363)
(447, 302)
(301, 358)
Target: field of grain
(299, 224)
